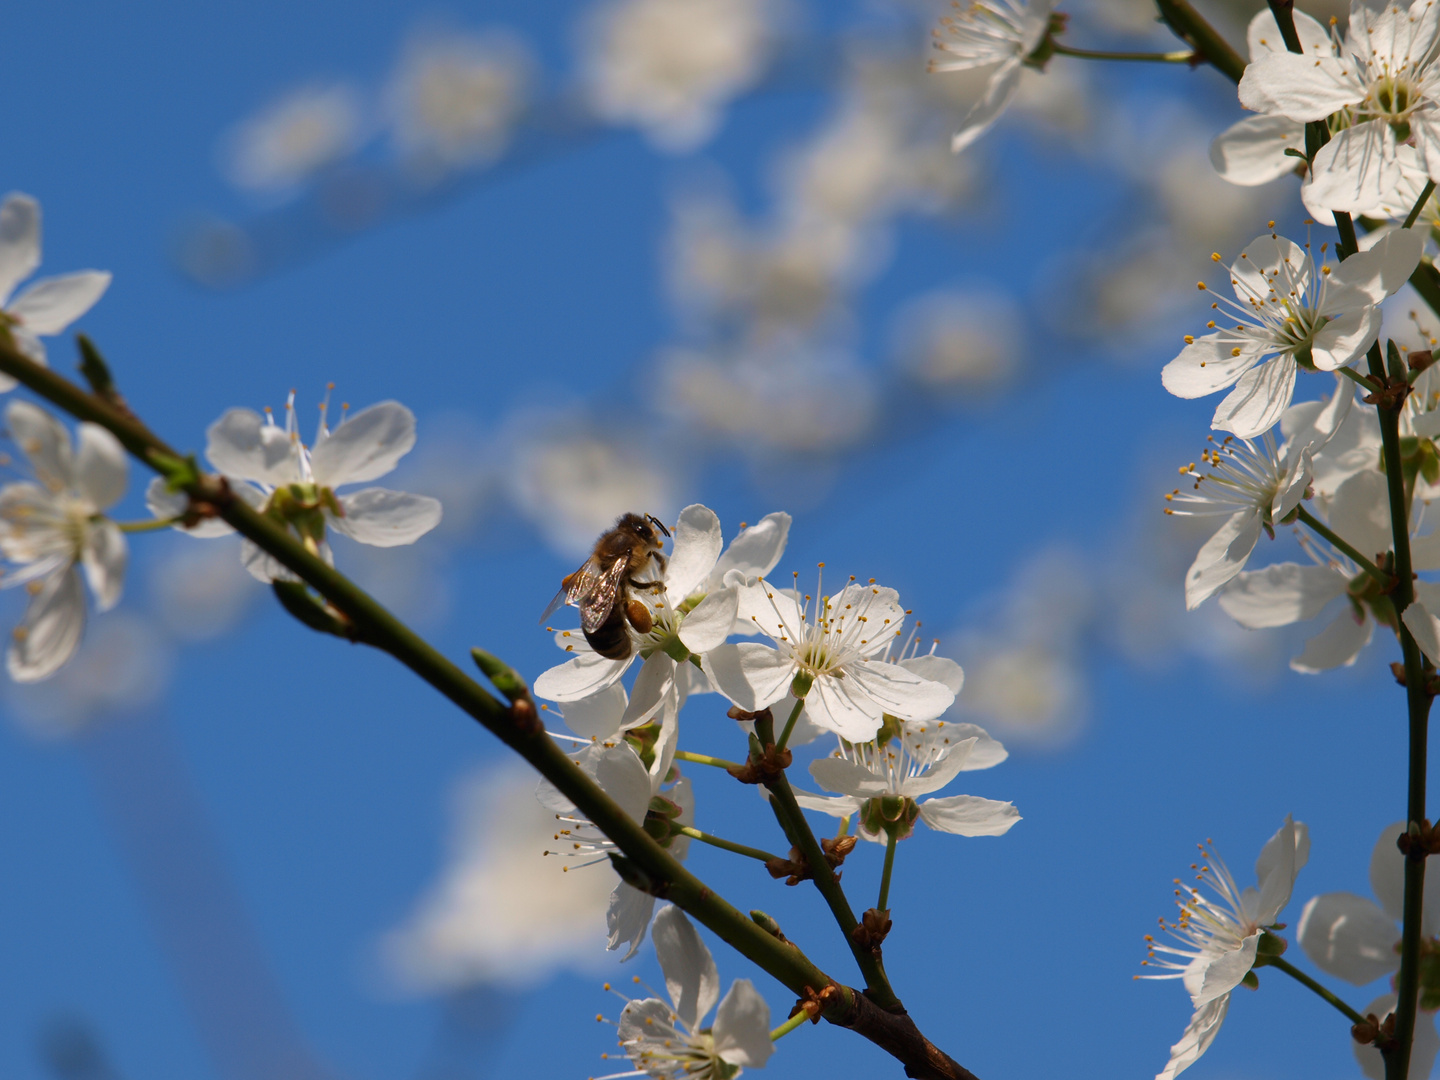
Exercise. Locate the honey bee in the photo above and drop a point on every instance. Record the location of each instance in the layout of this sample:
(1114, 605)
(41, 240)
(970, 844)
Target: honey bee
(603, 587)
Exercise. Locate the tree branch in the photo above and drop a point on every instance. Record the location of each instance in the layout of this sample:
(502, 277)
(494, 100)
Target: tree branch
(517, 725)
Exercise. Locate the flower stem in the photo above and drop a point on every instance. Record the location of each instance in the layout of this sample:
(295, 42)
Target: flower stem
(797, 831)
(1334, 538)
(1306, 981)
(152, 525)
(790, 723)
(1358, 379)
(728, 845)
(884, 902)
(1184, 56)
(789, 1025)
(1191, 27)
(706, 759)
(1425, 194)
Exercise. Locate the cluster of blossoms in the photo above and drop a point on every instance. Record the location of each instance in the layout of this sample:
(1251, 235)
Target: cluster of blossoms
(53, 525)
(841, 665)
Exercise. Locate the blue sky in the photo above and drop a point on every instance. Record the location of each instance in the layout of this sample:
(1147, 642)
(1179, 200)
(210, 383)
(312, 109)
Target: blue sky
(308, 781)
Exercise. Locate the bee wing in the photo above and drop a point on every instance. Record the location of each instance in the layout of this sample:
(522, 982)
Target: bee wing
(595, 605)
(575, 587)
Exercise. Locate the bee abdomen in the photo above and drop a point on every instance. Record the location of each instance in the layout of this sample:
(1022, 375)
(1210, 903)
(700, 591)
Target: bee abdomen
(610, 638)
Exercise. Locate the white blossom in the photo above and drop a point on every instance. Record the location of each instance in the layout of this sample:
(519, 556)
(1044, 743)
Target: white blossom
(294, 138)
(1254, 486)
(270, 468)
(671, 66)
(54, 527)
(1290, 314)
(996, 34)
(667, 1041)
(1217, 937)
(1376, 90)
(910, 760)
(832, 653)
(619, 771)
(47, 306)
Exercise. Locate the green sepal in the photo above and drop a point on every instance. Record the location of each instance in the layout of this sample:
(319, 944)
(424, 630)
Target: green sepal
(300, 602)
(1271, 944)
(642, 740)
(501, 675)
(800, 685)
(95, 370)
(1394, 362)
(675, 649)
(1251, 980)
(889, 814)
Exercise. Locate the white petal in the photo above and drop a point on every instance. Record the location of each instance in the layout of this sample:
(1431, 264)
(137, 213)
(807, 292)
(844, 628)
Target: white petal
(756, 550)
(985, 753)
(1356, 170)
(1343, 340)
(1281, 594)
(1360, 513)
(695, 551)
(710, 623)
(627, 918)
(1263, 35)
(1336, 646)
(1370, 276)
(261, 565)
(1257, 401)
(44, 441)
(1423, 624)
(1225, 971)
(1207, 364)
(1425, 550)
(1199, 1034)
(52, 304)
(939, 669)
(1387, 872)
(596, 716)
(690, 974)
(836, 706)
(19, 241)
(101, 466)
(969, 815)
(1349, 936)
(580, 677)
(384, 518)
(984, 112)
(847, 778)
(901, 692)
(164, 503)
(242, 445)
(1221, 557)
(1297, 86)
(1252, 152)
(750, 674)
(654, 684)
(834, 805)
(1282, 857)
(104, 560)
(50, 631)
(365, 447)
(742, 1027)
(1387, 879)
(622, 775)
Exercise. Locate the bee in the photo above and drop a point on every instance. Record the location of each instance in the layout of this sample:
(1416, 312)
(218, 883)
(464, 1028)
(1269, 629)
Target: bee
(603, 587)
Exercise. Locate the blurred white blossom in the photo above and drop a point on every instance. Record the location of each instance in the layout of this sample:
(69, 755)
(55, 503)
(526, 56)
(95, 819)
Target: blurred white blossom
(960, 342)
(501, 911)
(292, 139)
(455, 97)
(671, 66)
(200, 590)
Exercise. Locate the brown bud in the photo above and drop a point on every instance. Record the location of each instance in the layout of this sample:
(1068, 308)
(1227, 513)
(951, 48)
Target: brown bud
(836, 849)
(764, 769)
(1420, 359)
(794, 870)
(872, 930)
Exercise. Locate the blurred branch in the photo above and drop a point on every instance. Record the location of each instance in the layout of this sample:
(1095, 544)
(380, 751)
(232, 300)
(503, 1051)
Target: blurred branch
(1210, 47)
(517, 725)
